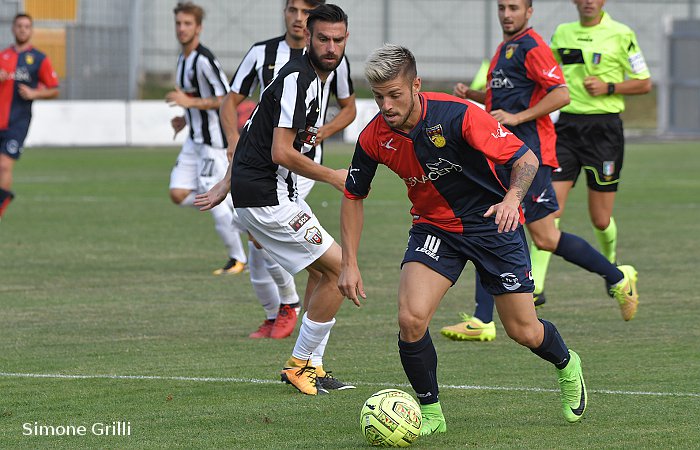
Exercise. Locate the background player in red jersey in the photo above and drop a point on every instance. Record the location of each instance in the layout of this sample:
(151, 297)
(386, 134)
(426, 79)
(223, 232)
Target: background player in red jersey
(445, 150)
(25, 75)
(524, 85)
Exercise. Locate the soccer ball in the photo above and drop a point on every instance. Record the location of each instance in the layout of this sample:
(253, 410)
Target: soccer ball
(390, 418)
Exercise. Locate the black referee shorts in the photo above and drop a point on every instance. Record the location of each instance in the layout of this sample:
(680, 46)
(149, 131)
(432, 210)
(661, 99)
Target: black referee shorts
(593, 142)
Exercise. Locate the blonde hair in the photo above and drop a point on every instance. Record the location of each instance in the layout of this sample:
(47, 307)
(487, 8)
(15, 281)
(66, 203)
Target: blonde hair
(389, 62)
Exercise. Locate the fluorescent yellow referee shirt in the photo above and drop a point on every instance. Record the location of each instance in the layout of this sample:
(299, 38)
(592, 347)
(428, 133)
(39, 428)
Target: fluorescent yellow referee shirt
(608, 51)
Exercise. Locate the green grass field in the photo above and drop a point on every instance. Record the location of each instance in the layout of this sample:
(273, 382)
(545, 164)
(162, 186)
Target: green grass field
(109, 312)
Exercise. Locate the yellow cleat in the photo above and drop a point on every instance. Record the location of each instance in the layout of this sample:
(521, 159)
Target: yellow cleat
(625, 293)
(232, 267)
(472, 329)
(302, 378)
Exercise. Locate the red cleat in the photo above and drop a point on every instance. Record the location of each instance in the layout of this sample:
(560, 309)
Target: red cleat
(264, 330)
(284, 323)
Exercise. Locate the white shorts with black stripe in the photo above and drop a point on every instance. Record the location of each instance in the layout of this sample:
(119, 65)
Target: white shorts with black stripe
(198, 167)
(290, 233)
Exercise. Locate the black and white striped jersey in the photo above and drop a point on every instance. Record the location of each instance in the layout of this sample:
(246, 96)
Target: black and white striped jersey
(294, 99)
(265, 59)
(200, 75)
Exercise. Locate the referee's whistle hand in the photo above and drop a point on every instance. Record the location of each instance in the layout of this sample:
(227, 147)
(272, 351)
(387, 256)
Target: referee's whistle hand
(594, 86)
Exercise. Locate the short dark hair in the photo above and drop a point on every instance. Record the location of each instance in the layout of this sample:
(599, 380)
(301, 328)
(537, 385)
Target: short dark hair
(190, 8)
(326, 13)
(22, 16)
(314, 3)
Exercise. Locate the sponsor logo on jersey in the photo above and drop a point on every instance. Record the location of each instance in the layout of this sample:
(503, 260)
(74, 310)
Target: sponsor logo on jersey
(500, 132)
(637, 63)
(387, 144)
(435, 135)
(596, 58)
(313, 236)
(500, 80)
(22, 74)
(299, 220)
(29, 59)
(550, 73)
(437, 169)
(510, 49)
(510, 281)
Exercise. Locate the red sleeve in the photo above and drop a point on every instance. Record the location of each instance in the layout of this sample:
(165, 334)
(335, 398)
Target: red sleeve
(486, 135)
(489, 75)
(543, 69)
(47, 76)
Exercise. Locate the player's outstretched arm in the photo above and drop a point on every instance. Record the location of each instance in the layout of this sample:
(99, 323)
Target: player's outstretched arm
(507, 213)
(216, 194)
(351, 222)
(284, 154)
(555, 99)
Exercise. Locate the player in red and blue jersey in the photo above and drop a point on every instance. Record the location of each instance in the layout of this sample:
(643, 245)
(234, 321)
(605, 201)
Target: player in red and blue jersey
(525, 84)
(25, 75)
(446, 151)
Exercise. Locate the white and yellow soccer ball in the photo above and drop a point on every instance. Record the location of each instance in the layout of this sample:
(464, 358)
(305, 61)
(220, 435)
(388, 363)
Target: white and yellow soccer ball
(390, 418)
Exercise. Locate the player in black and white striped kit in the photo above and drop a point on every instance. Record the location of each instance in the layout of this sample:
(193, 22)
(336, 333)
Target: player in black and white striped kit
(273, 286)
(200, 88)
(263, 183)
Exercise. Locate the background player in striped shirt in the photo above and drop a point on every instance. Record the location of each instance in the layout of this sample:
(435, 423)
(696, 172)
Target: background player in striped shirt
(445, 149)
(200, 87)
(25, 75)
(274, 287)
(269, 157)
(524, 85)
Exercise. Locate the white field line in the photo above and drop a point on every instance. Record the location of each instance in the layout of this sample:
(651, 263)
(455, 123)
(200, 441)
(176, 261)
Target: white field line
(259, 381)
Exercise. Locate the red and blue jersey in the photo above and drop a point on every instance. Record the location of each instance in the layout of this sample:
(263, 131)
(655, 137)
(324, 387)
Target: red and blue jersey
(29, 67)
(521, 73)
(447, 162)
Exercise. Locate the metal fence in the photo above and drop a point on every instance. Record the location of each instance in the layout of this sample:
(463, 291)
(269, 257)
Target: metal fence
(108, 46)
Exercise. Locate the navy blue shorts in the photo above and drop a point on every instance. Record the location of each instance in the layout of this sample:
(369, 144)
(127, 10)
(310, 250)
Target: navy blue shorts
(541, 200)
(502, 259)
(12, 140)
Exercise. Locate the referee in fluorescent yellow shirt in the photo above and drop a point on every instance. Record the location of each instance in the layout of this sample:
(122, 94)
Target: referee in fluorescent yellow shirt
(601, 61)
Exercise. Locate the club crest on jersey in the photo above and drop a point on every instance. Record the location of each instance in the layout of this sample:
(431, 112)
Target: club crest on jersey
(510, 49)
(596, 58)
(608, 169)
(299, 220)
(435, 135)
(313, 236)
(29, 59)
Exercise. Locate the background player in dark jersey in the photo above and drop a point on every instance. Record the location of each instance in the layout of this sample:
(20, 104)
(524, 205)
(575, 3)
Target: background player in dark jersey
(275, 287)
(262, 180)
(444, 149)
(524, 85)
(25, 75)
(200, 87)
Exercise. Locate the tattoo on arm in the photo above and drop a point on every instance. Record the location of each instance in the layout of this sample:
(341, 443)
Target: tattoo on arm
(521, 178)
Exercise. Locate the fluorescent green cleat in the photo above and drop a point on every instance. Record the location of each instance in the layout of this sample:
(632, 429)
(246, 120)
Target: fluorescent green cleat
(625, 292)
(574, 396)
(433, 420)
(472, 329)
